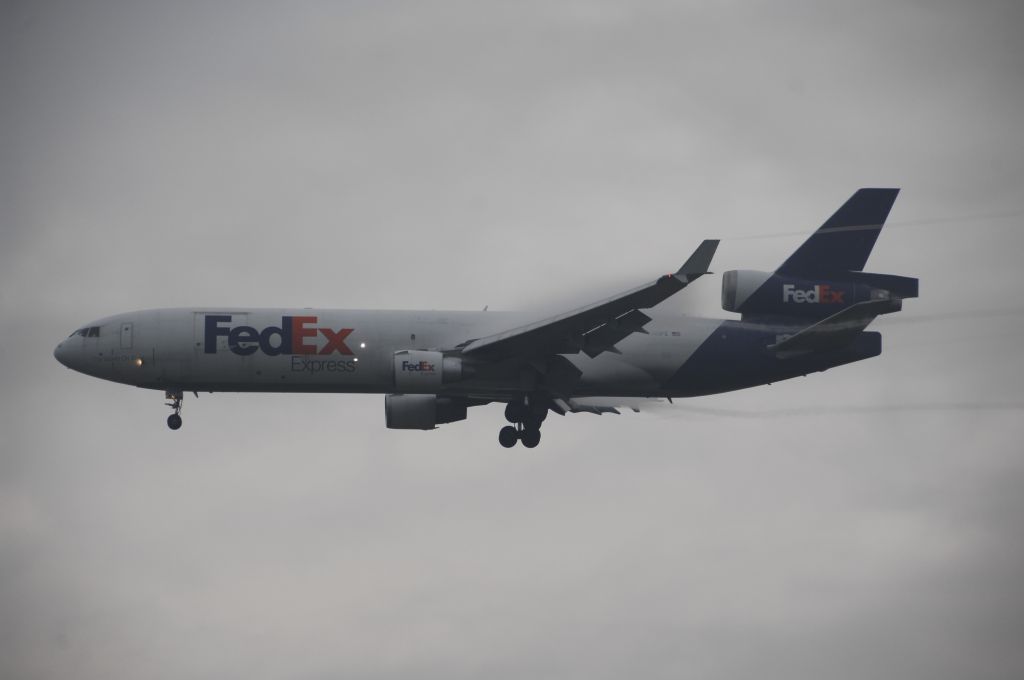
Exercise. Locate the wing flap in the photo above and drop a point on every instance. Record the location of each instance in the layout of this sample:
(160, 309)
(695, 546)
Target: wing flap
(604, 337)
(574, 406)
(603, 405)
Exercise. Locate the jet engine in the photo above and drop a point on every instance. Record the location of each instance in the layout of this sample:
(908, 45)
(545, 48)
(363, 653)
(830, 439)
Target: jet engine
(773, 294)
(421, 411)
(425, 371)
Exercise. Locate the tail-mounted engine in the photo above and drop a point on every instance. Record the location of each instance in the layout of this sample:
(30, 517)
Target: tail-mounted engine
(753, 293)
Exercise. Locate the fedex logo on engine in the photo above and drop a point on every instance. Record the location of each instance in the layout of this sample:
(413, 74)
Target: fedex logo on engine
(819, 294)
(418, 366)
(295, 335)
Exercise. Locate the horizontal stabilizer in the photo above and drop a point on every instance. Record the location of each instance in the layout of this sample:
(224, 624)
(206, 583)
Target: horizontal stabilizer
(836, 331)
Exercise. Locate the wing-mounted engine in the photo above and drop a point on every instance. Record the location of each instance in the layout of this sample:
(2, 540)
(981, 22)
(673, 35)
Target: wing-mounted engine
(764, 294)
(427, 371)
(422, 411)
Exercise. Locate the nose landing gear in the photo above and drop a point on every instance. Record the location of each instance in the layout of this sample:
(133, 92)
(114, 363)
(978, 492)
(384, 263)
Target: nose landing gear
(526, 418)
(174, 397)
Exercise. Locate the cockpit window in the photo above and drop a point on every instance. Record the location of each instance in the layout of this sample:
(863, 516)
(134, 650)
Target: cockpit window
(90, 332)
(94, 332)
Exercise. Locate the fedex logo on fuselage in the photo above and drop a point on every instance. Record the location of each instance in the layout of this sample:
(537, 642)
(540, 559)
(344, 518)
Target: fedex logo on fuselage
(295, 335)
(821, 293)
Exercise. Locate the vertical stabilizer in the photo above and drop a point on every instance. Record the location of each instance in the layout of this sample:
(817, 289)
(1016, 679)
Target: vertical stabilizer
(844, 242)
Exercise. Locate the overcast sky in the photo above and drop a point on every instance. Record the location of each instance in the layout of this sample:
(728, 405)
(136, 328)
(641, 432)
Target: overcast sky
(862, 523)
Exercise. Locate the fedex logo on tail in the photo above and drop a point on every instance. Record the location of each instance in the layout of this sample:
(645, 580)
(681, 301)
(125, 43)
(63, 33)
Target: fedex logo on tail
(819, 294)
(295, 335)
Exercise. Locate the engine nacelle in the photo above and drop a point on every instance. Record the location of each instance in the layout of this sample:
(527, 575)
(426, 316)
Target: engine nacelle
(424, 372)
(768, 294)
(421, 411)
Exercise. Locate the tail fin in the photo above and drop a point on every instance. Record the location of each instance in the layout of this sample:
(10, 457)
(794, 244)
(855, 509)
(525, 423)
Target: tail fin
(844, 242)
(826, 274)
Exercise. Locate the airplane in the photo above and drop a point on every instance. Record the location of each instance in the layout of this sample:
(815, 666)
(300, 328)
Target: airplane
(807, 316)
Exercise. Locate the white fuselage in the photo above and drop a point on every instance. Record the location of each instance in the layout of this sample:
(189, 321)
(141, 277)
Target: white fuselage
(329, 350)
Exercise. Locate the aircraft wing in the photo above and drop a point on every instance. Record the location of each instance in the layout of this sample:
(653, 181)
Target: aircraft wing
(595, 328)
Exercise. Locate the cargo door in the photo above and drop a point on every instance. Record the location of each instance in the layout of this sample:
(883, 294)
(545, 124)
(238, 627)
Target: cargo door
(126, 336)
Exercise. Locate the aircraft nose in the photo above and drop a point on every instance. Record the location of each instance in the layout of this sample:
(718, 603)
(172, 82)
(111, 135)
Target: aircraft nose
(61, 354)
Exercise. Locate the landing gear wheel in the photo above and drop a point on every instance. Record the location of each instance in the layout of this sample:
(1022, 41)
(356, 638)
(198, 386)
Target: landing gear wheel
(174, 401)
(526, 413)
(507, 436)
(530, 437)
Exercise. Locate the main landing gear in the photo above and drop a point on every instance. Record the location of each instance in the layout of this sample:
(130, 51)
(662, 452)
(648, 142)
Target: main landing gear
(526, 418)
(174, 401)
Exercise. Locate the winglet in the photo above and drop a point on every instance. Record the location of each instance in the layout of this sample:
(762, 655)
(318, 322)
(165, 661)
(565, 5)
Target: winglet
(699, 262)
